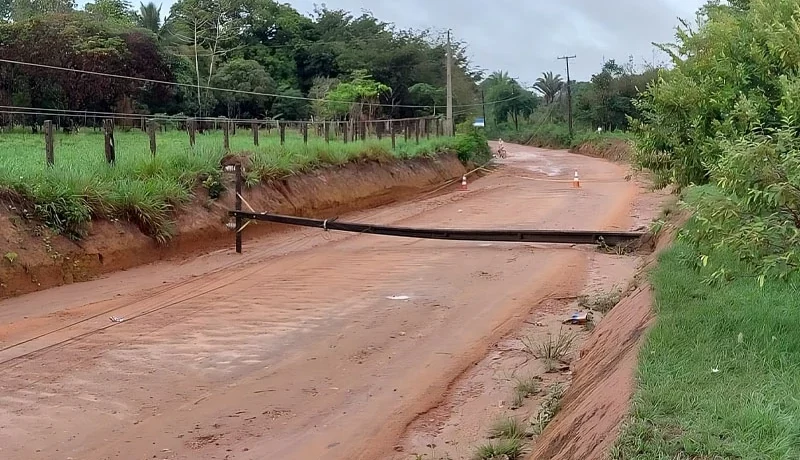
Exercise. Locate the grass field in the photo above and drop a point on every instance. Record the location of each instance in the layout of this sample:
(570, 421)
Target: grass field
(145, 190)
(719, 375)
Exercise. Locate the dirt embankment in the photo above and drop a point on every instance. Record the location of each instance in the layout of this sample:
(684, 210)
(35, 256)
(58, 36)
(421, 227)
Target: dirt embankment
(34, 259)
(598, 399)
(618, 150)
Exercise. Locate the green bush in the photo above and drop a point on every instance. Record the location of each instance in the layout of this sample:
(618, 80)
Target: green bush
(471, 145)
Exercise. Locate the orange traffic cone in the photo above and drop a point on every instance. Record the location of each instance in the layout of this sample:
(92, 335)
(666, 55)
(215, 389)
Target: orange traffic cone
(576, 182)
(464, 182)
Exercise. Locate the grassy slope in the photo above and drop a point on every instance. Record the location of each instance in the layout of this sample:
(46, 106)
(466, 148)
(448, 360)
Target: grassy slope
(704, 390)
(145, 190)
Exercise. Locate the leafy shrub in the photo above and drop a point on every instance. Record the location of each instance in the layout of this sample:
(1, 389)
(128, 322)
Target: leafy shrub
(472, 145)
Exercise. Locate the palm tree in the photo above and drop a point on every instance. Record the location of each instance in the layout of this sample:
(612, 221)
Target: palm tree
(549, 86)
(150, 17)
(498, 77)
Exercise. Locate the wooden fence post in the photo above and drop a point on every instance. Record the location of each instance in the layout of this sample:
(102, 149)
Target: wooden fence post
(407, 130)
(108, 130)
(282, 130)
(327, 132)
(191, 126)
(391, 129)
(151, 133)
(305, 132)
(48, 142)
(226, 133)
(344, 131)
(379, 130)
(416, 130)
(254, 126)
(427, 126)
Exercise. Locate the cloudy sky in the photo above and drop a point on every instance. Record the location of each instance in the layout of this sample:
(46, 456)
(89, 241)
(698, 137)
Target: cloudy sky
(524, 37)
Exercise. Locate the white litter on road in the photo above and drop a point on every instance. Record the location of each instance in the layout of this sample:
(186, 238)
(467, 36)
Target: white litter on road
(398, 297)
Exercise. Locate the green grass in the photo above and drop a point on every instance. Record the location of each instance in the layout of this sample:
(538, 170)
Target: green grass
(719, 375)
(147, 190)
(501, 449)
(507, 428)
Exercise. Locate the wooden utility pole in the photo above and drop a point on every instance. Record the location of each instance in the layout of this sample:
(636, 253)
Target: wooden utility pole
(569, 93)
(449, 125)
(483, 103)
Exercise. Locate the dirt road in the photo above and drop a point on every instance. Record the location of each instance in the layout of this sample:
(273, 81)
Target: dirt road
(310, 346)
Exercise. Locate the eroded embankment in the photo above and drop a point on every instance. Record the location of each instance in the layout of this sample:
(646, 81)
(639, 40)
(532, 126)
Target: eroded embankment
(35, 259)
(598, 399)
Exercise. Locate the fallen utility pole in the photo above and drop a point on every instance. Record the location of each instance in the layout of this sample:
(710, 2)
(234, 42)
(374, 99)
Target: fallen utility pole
(511, 236)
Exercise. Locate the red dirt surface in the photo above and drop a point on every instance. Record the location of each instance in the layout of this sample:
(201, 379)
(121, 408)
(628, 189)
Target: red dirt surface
(299, 349)
(45, 260)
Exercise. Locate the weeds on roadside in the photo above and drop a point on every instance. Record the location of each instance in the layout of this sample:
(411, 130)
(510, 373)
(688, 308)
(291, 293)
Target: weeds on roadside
(510, 449)
(549, 408)
(553, 350)
(523, 389)
(507, 428)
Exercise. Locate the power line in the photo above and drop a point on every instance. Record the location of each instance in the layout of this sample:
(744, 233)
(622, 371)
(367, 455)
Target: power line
(210, 88)
(16, 110)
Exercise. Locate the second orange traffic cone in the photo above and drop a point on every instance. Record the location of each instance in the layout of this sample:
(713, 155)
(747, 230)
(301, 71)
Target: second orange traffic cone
(576, 182)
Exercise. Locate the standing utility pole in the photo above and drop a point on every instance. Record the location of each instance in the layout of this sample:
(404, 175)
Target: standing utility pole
(449, 123)
(483, 103)
(569, 93)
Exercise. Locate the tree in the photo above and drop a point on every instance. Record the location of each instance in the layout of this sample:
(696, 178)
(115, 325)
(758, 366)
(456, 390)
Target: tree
(118, 11)
(510, 100)
(208, 28)
(430, 96)
(355, 98)
(291, 106)
(150, 17)
(549, 86)
(608, 101)
(22, 10)
(249, 77)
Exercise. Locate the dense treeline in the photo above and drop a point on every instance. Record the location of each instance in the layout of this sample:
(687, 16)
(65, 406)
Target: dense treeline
(360, 66)
(538, 115)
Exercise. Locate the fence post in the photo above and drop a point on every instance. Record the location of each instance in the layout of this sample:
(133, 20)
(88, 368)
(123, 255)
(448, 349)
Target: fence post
(363, 131)
(108, 130)
(226, 133)
(191, 126)
(282, 130)
(391, 129)
(151, 133)
(416, 130)
(344, 132)
(327, 132)
(407, 130)
(379, 130)
(426, 125)
(305, 132)
(254, 126)
(238, 201)
(48, 142)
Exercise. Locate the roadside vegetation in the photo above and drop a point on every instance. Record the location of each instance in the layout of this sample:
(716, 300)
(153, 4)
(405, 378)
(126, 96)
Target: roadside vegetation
(719, 374)
(147, 190)
(601, 107)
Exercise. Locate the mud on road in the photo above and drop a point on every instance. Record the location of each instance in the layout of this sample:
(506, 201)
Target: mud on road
(312, 345)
